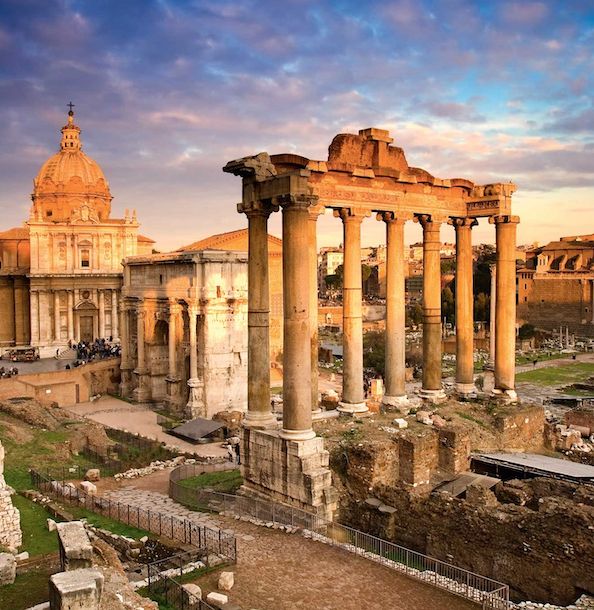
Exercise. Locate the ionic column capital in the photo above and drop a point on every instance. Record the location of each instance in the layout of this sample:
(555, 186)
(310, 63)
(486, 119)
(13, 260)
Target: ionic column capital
(174, 308)
(390, 217)
(504, 219)
(429, 221)
(315, 211)
(258, 208)
(291, 201)
(351, 215)
(193, 309)
(461, 223)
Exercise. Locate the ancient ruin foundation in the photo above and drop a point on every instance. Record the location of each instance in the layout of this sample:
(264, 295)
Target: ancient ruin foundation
(10, 519)
(364, 175)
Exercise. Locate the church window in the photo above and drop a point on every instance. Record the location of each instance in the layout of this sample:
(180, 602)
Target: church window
(160, 278)
(49, 213)
(218, 292)
(84, 258)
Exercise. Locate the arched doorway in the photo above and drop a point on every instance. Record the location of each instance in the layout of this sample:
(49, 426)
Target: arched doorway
(87, 322)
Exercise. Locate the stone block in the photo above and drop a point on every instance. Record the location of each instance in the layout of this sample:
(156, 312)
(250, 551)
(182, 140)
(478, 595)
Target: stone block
(22, 556)
(88, 487)
(400, 423)
(93, 474)
(51, 525)
(76, 551)
(76, 590)
(193, 591)
(226, 581)
(216, 600)
(7, 568)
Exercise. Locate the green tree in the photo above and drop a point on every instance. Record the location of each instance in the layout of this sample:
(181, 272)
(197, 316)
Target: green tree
(374, 351)
(526, 331)
(414, 314)
(448, 310)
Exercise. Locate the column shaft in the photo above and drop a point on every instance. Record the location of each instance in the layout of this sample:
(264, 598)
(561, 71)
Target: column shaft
(353, 397)
(395, 365)
(172, 337)
(115, 331)
(505, 314)
(101, 297)
(70, 315)
(296, 328)
(140, 315)
(492, 309)
(259, 413)
(193, 317)
(125, 338)
(34, 308)
(464, 307)
(57, 336)
(431, 308)
(313, 307)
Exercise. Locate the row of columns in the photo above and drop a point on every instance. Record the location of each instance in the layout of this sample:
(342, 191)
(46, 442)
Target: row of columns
(300, 392)
(40, 307)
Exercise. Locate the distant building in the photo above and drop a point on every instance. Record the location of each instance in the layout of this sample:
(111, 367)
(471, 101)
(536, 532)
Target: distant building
(556, 287)
(61, 273)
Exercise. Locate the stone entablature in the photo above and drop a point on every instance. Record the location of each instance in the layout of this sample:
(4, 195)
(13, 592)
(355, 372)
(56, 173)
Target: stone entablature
(184, 331)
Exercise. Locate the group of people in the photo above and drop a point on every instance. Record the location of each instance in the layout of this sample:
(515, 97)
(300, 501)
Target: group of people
(97, 350)
(8, 372)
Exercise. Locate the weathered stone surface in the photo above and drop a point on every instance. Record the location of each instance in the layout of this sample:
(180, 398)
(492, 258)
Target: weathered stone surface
(93, 474)
(76, 550)
(88, 487)
(226, 581)
(10, 519)
(76, 590)
(7, 568)
(216, 600)
(193, 590)
(51, 525)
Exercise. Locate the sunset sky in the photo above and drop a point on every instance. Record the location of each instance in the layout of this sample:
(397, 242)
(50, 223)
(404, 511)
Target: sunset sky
(167, 92)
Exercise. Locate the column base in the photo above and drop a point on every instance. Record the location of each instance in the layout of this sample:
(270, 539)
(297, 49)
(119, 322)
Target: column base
(433, 396)
(466, 390)
(195, 406)
(260, 421)
(395, 401)
(297, 435)
(351, 408)
(304, 480)
(504, 395)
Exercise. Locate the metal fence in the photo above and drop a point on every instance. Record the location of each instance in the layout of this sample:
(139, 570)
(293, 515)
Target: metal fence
(164, 588)
(493, 595)
(175, 528)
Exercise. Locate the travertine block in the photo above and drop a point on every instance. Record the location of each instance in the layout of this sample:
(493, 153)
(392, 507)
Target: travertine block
(76, 590)
(76, 550)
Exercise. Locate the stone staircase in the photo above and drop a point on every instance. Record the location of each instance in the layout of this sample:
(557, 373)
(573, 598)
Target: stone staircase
(68, 353)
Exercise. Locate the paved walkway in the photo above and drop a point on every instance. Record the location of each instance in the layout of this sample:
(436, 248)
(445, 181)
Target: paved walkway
(279, 571)
(140, 419)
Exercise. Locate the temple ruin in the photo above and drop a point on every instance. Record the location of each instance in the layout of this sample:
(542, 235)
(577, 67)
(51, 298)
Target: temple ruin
(363, 175)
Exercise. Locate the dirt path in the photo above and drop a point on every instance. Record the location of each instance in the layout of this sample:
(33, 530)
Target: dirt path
(278, 571)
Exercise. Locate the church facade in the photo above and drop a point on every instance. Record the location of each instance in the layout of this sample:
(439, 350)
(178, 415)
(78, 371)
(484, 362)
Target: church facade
(61, 273)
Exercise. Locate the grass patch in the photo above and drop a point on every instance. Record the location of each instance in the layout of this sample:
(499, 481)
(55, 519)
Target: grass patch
(558, 375)
(29, 589)
(106, 523)
(227, 481)
(37, 540)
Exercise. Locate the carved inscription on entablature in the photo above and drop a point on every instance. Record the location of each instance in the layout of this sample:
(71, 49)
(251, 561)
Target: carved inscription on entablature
(485, 207)
(375, 196)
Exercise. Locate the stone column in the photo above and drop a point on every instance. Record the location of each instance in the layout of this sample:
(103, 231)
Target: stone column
(395, 392)
(464, 307)
(34, 308)
(492, 309)
(431, 388)
(174, 310)
(194, 383)
(115, 331)
(592, 300)
(57, 336)
(101, 297)
(44, 318)
(353, 397)
(70, 314)
(296, 329)
(140, 317)
(313, 304)
(259, 414)
(505, 314)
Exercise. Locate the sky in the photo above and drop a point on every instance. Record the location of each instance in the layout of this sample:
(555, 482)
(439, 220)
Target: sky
(166, 92)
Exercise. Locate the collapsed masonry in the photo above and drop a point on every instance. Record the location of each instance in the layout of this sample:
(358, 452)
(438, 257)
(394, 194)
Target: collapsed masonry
(10, 519)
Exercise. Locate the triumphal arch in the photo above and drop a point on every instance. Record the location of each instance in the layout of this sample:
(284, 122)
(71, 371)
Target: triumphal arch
(364, 176)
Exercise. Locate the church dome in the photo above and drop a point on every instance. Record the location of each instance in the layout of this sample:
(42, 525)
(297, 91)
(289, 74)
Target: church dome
(70, 181)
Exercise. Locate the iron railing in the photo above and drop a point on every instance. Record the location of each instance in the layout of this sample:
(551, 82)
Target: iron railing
(493, 595)
(175, 528)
